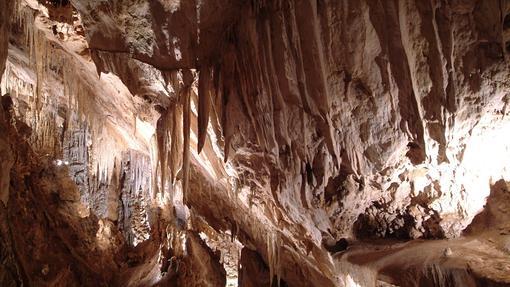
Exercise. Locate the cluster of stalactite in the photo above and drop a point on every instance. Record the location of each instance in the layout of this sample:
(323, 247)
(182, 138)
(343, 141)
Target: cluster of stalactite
(362, 121)
(67, 119)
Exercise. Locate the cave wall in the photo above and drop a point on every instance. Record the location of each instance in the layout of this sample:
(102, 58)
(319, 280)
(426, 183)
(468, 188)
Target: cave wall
(81, 205)
(389, 116)
(6, 9)
(86, 124)
(369, 118)
(298, 121)
(301, 107)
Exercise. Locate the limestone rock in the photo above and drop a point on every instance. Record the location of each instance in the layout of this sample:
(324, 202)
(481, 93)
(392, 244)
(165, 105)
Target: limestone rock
(297, 127)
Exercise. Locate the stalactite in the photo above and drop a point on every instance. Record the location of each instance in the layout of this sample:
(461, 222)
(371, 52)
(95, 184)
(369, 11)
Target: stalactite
(155, 162)
(273, 256)
(40, 68)
(26, 20)
(234, 231)
(204, 102)
(217, 106)
(169, 136)
(93, 166)
(227, 87)
(162, 128)
(186, 125)
(177, 141)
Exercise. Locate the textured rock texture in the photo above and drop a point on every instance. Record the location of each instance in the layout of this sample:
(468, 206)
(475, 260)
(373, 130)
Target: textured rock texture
(297, 126)
(382, 104)
(47, 241)
(80, 204)
(6, 11)
(255, 272)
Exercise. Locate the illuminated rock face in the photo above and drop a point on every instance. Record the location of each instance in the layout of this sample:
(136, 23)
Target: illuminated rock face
(292, 124)
(381, 104)
(6, 9)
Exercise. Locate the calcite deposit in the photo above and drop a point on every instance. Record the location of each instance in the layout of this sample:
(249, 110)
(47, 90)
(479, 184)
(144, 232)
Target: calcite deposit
(254, 143)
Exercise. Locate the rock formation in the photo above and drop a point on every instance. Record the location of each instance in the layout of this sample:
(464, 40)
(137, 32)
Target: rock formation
(254, 143)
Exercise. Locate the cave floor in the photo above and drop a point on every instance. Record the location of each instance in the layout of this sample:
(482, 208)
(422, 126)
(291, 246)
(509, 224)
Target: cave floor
(481, 260)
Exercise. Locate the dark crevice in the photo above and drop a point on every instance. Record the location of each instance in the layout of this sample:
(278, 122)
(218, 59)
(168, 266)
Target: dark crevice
(506, 22)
